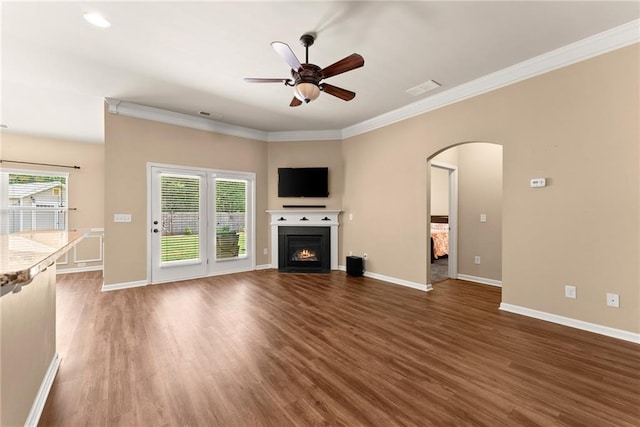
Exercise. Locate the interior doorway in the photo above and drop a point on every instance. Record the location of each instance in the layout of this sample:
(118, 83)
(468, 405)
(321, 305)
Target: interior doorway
(470, 176)
(443, 221)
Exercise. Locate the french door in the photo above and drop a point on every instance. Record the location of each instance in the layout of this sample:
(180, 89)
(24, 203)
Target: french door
(178, 224)
(201, 223)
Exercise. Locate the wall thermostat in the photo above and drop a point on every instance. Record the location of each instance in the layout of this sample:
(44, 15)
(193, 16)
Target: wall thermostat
(538, 182)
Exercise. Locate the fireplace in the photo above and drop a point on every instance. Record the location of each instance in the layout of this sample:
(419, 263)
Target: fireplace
(305, 222)
(304, 249)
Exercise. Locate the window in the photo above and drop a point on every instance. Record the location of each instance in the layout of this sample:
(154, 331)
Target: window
(33, 201)
(231, 218)
(180, 205)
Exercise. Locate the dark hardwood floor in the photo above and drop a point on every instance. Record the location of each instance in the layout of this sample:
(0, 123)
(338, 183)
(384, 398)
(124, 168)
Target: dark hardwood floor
(270, 349)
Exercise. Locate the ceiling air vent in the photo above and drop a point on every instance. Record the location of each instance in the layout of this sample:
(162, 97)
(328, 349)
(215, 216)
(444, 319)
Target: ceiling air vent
(423, 87)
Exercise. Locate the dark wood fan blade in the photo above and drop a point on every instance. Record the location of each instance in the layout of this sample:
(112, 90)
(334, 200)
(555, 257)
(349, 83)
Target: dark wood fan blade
(287, 54)
(260, 80)
(338, 92)
(349, 63)
(295, 102)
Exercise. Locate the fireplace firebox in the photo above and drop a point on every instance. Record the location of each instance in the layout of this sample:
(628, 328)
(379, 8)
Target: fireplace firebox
(304, 249)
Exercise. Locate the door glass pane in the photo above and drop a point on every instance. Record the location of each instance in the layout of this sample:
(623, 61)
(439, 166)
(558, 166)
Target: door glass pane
(180, 204)
(231, 218)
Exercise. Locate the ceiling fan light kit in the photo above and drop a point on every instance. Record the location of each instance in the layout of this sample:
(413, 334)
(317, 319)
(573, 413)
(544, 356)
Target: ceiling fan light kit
(306, 92)
(306, 78)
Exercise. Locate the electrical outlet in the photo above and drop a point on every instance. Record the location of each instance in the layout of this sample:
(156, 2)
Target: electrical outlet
(265, 251)
(613, 300)
(365, 256)
(350, 253)
(483, 217)
(570, 292)
(477, 259)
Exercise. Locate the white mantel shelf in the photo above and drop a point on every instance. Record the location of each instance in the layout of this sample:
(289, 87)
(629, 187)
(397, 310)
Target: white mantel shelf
(304, 218)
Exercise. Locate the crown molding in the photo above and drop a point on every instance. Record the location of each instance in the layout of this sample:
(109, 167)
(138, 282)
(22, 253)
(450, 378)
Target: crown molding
(615, 38)
(129, 109)
(305, 135)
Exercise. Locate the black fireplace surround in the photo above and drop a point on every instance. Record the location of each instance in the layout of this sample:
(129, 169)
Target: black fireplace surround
(304, 249)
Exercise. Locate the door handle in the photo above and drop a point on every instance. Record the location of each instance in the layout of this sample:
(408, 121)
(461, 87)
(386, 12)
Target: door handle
(155, 222)
(155, 230)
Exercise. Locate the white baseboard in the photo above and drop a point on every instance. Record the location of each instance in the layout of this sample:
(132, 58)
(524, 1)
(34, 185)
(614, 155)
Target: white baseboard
(43, 392)
(480, 280)
(394, 280)
(138, 283)
(573, 323)
(79, 269)
(126, 285)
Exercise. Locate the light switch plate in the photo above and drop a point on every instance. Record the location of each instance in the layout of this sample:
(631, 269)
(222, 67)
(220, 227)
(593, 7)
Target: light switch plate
(121, 217)
(538, 182)
(570, 292)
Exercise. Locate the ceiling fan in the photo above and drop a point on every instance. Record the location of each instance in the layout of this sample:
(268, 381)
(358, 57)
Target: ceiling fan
(307, 79)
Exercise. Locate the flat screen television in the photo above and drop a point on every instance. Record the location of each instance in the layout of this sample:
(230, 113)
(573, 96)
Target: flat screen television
(303, 182)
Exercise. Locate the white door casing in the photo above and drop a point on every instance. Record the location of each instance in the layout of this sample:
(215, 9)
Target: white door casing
(453, 215)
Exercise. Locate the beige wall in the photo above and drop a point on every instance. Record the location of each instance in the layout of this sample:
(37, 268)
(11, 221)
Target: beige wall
(480, 192)
(439, 191)
(86, 186)
(306, 154)
(129, 144)
(583, 137)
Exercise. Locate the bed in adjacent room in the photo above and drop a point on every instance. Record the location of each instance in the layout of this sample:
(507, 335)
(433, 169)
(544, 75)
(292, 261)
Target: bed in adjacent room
(439, 236)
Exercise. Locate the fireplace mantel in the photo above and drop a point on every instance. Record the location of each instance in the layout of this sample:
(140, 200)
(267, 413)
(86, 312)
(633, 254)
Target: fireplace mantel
(302, 218)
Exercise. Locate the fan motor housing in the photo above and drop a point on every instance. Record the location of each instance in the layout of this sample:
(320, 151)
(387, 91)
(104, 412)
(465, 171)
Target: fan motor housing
(309, 73)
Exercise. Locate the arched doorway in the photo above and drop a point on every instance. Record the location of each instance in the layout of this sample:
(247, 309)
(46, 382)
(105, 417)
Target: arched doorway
(473, 212)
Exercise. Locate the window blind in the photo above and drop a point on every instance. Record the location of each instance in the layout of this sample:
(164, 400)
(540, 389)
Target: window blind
(180, 206)
(231, 217)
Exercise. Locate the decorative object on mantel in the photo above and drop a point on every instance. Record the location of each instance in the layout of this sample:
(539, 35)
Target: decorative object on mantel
(326, 218)
(305, 206)
(282, 218)
(304, 218)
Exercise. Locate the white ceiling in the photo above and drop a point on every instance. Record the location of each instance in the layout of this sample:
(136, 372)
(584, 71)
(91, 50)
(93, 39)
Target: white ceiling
(191, 57)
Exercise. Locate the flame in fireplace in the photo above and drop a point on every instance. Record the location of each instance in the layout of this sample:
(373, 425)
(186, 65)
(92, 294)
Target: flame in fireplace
(305, 255)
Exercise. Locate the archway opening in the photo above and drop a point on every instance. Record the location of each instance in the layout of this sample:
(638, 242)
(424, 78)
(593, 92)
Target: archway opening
(464, 213)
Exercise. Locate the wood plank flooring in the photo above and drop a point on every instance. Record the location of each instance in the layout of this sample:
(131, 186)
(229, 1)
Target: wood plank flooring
(270, 349)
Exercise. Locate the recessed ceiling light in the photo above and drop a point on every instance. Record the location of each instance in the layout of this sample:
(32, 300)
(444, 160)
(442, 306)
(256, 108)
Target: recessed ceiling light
(97, 20)
(423, 87)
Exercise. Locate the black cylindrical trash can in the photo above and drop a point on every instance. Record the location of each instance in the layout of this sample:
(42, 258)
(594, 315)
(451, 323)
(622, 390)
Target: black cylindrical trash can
(355, 266)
